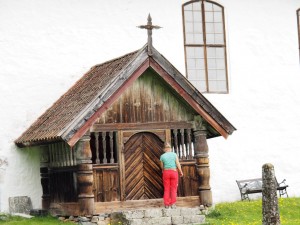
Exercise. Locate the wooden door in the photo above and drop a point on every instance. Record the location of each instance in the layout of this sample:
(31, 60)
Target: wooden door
(143, 177)
(106, 183)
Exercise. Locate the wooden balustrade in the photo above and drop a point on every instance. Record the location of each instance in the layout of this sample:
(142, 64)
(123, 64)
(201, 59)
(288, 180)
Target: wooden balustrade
(183, 143)
(103, 146)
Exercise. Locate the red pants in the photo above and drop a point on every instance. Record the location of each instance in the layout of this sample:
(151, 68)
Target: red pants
(170, 180)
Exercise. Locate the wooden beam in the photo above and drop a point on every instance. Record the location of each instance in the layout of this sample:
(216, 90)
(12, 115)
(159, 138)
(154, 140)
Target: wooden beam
(140, 126)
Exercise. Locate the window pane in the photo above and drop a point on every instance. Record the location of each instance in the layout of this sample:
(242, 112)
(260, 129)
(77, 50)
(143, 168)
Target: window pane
(198, 28)
(212, 74)
(209, 17)
(196, 75)
(189, 38)
(201, 75)
(211, 64)
(217, 8)
(198, 39)
(200, 64)
(190, 52)
(210, 28)
(221, 75)
(191, 64)
(217, 86)
(211, 52)
(197, 6)
(200, 85)
(220, 63)
(219, 39)
(208, 6)
(198, 16)
(199, 53)
(218, 17)
(192, 74)
(188, 7)
(188, 16)
(210, 38)
(219, 28)
(219, 52)
(189, 27)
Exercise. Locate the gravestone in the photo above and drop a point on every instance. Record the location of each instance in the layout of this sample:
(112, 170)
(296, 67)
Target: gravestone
(20, 204)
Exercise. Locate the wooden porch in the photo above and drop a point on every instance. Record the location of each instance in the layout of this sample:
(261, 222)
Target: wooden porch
(124, 171)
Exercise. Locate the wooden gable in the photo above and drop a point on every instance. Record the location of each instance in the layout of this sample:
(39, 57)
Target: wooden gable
(148, 100)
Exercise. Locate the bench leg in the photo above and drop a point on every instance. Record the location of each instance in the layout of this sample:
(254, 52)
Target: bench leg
(283, 192)
(245, 196)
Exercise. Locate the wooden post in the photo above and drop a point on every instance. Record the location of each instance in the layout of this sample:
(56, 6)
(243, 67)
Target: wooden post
(45, 177)
(269, 196)
(85, 176)
(202, 164)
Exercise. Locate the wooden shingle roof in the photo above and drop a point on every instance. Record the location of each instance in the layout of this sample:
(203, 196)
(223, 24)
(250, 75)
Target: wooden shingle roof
(74, 112)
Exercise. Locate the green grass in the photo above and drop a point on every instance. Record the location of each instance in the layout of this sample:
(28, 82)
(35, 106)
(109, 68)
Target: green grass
(234, 213)
(250, 213)
(17, 220)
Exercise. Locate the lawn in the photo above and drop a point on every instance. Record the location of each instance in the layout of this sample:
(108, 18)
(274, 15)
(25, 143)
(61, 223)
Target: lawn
(234, 213)
(16, 220)
(250, 213)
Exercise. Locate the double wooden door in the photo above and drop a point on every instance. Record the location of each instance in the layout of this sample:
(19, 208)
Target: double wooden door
(143, 177)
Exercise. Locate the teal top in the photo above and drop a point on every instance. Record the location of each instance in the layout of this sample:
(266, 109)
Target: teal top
(169, 160)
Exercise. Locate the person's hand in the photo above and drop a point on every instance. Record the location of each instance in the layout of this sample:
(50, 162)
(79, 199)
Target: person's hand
(181, 174)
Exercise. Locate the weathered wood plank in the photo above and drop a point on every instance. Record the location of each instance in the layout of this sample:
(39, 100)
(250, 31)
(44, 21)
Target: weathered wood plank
(141, 126)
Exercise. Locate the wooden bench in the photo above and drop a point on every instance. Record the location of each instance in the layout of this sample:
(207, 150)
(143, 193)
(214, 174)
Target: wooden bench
(252, 186)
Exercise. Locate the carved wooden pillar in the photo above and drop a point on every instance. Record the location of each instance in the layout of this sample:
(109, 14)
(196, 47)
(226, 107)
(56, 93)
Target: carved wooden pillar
(45, 176)
(85, 176)
(202, 166)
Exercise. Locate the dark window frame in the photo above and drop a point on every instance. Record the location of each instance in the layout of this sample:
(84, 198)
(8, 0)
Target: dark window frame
(206, 45)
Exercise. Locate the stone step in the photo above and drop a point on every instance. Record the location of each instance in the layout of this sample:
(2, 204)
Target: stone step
(149, 216)
(159, 216)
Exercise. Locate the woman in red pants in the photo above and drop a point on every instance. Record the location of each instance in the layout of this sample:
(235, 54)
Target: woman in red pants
(169, 162)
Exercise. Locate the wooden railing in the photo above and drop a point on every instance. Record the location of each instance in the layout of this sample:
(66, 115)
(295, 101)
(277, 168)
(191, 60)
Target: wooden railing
(103, 147)
(183, 143)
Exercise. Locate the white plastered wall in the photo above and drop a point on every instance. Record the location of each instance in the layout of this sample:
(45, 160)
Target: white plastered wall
(46, 46)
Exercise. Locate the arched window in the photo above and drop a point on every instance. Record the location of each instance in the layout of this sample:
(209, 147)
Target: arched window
(205, 46)
(298, 19)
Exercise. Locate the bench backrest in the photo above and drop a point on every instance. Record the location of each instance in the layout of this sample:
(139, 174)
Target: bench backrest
(253, 184)
(250, 184)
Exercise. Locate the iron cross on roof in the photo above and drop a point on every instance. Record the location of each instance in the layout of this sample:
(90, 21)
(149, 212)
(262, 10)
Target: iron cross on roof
(149, 27)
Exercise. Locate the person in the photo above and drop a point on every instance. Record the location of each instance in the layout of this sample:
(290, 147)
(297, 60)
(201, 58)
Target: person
(168, 163)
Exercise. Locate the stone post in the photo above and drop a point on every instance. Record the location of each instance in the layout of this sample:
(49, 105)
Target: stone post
(45, 176)
(202, 163)
(85, 176)
(269, 196)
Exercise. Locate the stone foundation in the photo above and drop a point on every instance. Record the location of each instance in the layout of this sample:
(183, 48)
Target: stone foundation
(157, 216)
